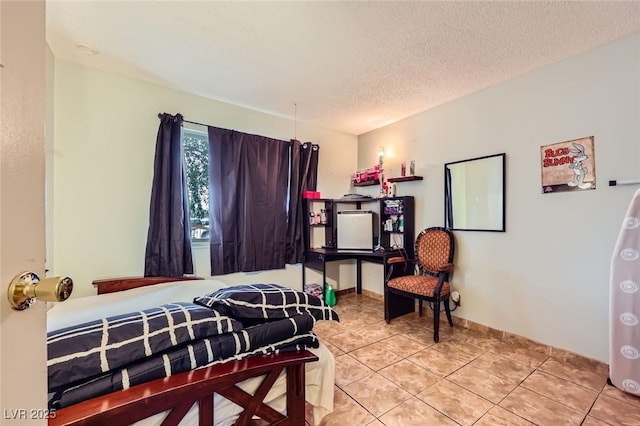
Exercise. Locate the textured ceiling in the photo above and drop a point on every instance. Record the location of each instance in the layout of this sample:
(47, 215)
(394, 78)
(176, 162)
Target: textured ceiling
(350, 66)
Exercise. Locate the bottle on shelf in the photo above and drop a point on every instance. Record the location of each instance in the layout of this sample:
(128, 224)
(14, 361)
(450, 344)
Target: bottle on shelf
(391, 189)
(383, 189)
(401, 223)
(323, 216)
(312, 218)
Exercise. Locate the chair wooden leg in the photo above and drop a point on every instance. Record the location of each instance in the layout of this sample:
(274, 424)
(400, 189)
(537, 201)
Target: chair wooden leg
(420, 307)
(436, 320)
(447, 309)
(387, 319)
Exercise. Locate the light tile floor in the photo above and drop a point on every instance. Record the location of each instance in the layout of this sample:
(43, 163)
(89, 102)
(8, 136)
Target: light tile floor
(395, 375)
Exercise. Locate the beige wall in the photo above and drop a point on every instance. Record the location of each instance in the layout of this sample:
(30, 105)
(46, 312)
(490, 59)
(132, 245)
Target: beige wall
(104, 139)
(547, 277)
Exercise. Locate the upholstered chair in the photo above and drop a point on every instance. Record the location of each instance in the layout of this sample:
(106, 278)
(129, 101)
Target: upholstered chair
(425, 278)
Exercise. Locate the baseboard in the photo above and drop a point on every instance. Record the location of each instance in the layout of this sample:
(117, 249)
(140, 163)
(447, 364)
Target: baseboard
(560, 354)
(345, 291)
(373, 295)
(507, 337)
(352, 290)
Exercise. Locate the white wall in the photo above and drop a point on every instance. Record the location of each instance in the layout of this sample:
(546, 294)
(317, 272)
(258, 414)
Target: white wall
(547, 277)
(105, 129)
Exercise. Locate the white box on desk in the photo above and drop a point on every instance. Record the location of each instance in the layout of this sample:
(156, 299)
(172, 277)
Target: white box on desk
(355, 230)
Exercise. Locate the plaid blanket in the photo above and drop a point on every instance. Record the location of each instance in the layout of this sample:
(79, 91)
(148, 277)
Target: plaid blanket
(287, 334)
(97, 347)
(252, 303)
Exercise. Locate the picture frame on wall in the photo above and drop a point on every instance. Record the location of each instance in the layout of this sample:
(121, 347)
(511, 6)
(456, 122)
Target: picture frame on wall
(568, 166)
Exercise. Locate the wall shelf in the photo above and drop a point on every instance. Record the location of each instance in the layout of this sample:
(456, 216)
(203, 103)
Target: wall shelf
(368, 183)
(405, 178)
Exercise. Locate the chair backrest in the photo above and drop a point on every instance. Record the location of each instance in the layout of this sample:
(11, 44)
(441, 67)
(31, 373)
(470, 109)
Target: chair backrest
(434, 247)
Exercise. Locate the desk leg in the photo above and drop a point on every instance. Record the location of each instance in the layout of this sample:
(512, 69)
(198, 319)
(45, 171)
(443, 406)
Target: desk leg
(358, 276)
(304, 276)
(324, 278)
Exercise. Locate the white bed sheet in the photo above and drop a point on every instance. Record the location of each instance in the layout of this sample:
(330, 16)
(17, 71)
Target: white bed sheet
(319, 376)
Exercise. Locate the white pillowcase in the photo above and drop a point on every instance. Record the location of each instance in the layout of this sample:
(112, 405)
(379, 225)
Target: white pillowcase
(84, 309)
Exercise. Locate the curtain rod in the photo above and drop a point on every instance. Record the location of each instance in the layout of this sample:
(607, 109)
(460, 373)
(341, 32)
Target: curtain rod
(208, 125)
(195, 122)
(185, 121)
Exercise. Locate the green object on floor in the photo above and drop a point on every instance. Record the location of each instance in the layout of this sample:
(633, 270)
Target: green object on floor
(330, 296)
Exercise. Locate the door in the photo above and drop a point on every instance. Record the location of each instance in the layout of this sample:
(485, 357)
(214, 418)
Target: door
(23, 389)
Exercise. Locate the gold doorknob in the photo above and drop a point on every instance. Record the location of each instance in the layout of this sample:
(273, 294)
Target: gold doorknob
(26, 288)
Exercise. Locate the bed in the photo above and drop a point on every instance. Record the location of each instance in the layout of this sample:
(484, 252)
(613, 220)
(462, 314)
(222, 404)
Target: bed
(263, 389)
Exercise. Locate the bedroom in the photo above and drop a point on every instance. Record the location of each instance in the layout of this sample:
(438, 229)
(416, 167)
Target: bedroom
(505, 279)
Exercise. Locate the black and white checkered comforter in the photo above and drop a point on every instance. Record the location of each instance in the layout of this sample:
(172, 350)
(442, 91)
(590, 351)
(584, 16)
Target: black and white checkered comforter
(258, 302)
(115, 353)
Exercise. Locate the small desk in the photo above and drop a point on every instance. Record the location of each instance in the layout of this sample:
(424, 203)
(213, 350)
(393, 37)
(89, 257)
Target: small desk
(317, 259)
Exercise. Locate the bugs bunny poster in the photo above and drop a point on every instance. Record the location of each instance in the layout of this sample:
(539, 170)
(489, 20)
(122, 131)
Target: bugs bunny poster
(568, 166)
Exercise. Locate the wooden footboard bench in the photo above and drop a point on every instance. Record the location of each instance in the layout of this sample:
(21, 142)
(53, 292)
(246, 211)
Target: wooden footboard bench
(112, 285)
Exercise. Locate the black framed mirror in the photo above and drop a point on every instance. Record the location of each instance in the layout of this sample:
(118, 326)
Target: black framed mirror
(475, 194)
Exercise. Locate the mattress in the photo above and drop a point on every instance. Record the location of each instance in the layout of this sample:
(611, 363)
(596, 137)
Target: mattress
(319, 375)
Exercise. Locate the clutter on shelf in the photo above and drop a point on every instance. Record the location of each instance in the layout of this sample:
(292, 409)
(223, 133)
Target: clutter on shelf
(369, 176)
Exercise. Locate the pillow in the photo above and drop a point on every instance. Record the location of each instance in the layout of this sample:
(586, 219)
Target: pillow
(265, 301)
(86, 350)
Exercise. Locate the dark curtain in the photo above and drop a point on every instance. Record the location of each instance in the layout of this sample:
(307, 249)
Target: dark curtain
(304, 177)
(168, 250)
(248, 181)
(309, 166)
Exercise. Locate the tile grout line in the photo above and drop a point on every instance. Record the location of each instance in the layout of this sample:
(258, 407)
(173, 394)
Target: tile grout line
(563, 360)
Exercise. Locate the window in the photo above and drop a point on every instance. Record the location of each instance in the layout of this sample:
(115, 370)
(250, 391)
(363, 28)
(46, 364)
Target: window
(196, 161)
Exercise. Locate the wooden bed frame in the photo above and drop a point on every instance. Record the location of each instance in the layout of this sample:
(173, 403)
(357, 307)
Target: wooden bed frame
(180, 392)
